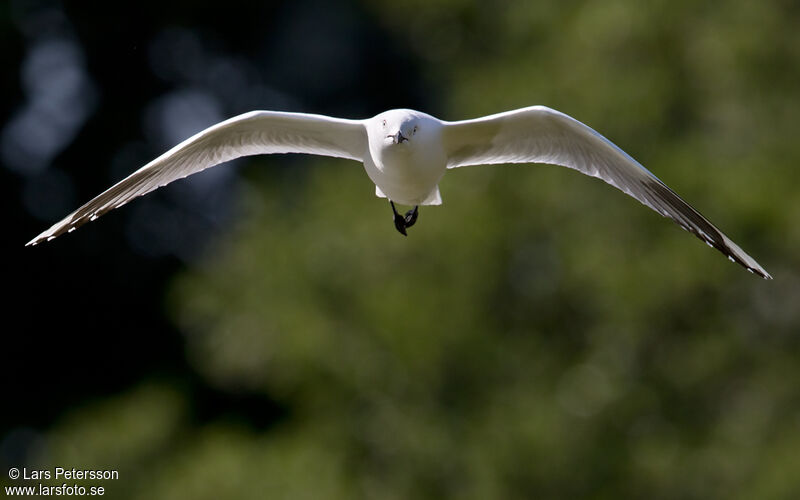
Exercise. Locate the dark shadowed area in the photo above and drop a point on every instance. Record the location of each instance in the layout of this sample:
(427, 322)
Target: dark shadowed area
(261, 330)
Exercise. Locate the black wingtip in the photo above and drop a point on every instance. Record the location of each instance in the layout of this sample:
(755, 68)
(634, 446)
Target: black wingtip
(698, 225)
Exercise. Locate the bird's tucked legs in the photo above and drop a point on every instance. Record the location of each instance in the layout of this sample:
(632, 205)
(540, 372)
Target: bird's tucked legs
(399, 221)
(403, 222)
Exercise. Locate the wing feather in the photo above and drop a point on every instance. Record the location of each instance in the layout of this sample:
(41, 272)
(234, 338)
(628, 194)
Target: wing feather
(256, 132)
(542, 135)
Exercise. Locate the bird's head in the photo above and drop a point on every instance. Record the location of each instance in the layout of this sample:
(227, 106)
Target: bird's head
(398, 126)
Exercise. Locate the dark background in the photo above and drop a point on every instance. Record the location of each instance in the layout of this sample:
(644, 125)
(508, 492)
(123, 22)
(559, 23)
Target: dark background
(89, 312)
(260, 329)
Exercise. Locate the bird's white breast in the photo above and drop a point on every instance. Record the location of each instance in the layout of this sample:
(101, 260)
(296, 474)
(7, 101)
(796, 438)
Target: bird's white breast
(410, 171)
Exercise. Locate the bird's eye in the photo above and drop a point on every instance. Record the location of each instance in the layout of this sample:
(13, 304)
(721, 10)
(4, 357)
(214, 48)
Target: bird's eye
(384, 123)
(415, 130)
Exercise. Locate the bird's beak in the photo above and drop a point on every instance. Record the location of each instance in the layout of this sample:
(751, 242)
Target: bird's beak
(398, 138)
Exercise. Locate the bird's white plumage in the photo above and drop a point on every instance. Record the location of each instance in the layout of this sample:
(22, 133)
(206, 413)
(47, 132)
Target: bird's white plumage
(406, 153)
(542, 135)
(406, 172)
(256, 132)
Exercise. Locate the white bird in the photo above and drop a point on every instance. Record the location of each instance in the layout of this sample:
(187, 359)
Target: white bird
(406, 153)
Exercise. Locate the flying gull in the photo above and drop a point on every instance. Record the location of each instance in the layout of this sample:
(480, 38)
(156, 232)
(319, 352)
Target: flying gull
(406, 153)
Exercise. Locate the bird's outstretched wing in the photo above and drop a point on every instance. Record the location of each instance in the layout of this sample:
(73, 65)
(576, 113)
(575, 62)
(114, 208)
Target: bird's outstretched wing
(542, 135)
(256, 132)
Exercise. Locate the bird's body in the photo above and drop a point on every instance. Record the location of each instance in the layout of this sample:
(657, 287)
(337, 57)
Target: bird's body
(407, 172)
(406, 153)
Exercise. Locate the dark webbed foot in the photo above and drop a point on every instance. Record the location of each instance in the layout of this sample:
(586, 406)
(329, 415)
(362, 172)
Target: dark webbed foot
(411, 216)
(399, 221)
(402, 222)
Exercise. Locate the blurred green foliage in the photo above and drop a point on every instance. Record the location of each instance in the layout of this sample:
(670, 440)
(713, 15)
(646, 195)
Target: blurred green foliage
(540, 335)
